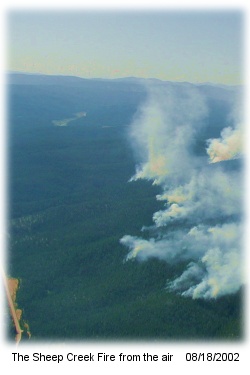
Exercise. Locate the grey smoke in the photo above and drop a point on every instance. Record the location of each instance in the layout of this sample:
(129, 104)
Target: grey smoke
(201, 193)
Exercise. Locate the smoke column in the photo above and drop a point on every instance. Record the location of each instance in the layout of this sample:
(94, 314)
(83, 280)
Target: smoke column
(201, 192)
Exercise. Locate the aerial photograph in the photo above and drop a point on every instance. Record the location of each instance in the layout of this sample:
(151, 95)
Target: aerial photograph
(125, 163)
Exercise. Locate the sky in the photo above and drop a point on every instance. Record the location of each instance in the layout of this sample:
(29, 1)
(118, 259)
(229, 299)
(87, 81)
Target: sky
(193, 46)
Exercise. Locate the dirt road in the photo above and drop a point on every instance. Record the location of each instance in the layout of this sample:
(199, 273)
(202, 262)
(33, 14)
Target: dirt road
(12, 307)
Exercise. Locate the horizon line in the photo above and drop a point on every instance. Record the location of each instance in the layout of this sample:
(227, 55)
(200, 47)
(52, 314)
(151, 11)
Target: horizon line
(120, 78)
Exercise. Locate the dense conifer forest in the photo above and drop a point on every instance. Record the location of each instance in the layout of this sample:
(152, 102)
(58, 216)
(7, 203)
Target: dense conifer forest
(70, 203)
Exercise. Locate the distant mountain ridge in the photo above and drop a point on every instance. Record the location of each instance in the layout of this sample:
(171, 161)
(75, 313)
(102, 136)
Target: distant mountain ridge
(15, 77)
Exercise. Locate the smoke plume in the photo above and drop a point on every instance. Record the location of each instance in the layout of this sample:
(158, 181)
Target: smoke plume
(201, 191)
(228, 147)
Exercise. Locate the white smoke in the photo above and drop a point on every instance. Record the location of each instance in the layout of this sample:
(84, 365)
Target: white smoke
(209, 194)
(218, 271)
(203, 199)
(230, 144)
(163, 132)
(228, 147)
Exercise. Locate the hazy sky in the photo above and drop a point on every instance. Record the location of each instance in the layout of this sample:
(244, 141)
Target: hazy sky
(179, 46)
